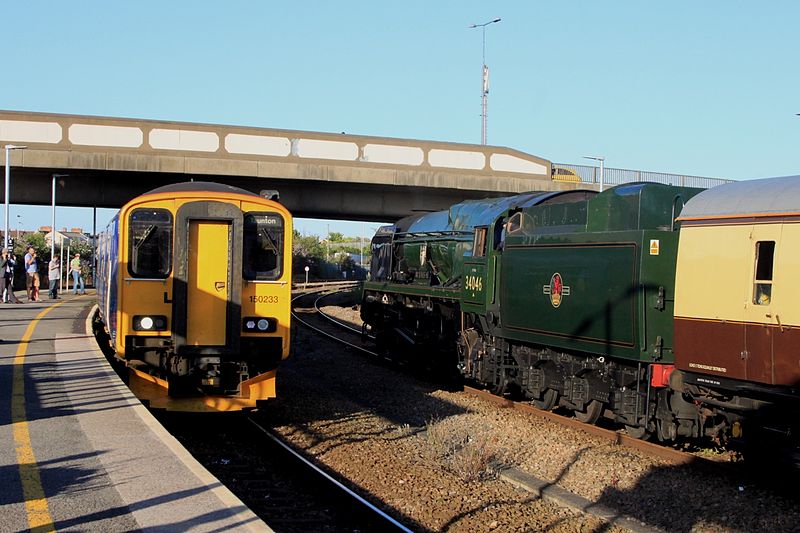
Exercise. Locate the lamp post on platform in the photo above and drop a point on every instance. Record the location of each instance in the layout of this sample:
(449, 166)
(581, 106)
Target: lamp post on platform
(602, 167)
(484, 79)
(9, 147)
(53, 217)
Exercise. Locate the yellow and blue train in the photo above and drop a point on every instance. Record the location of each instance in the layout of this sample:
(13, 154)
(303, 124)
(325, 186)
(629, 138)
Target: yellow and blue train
(194, 285)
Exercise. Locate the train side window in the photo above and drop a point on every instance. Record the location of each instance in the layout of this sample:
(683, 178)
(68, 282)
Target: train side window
(479, 244)
(514, 223)
(262, 257)
(765, 255)
(150, 243)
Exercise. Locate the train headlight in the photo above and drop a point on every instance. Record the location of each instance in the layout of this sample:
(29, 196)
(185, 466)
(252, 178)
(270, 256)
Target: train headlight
(149, 323)
(257, 324)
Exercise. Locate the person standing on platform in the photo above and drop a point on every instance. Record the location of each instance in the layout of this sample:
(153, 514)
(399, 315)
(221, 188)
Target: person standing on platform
(54, 275)
(32, 275)
(77, 276)
(7, 264)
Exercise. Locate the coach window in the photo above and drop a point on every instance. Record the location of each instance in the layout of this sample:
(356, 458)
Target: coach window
(765, 254)
(262, 256)
(150, 243)
(479, 244)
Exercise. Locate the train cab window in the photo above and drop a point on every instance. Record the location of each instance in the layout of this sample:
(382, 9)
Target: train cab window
(262, 257)
(765, 255)
(150, 243)
(479, 243)
(514, 223)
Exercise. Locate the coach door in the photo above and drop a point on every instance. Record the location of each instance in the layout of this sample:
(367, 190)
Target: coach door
(762, 314)
(207, 291)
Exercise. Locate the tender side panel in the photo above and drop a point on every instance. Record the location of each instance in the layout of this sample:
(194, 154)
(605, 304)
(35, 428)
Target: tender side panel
(578, 296)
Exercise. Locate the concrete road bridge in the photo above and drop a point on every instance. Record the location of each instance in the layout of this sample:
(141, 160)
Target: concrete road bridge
(111, 160)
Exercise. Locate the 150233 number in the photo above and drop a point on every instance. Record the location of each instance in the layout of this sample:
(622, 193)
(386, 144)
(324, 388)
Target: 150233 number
(264, 299)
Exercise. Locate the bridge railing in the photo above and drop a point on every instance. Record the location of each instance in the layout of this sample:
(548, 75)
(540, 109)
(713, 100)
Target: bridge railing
(618, 176)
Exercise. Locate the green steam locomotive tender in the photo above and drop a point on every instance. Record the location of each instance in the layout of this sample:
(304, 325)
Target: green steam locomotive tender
(566, 298)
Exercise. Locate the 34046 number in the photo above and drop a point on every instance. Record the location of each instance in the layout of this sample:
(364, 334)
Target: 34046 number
(264, 299)
(474, 283)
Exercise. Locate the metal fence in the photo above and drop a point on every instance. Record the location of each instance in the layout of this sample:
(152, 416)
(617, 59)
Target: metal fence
(617, 176)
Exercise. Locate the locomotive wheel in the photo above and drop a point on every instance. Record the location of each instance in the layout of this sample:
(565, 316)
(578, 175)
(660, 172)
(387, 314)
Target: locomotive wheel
(548, 401)
(592, 413)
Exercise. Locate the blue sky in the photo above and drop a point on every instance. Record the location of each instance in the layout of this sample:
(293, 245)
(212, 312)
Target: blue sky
(701, 88)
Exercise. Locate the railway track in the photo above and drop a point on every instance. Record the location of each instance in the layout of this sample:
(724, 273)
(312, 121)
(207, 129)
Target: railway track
(281, 486)
(617, 437)
(284, 488)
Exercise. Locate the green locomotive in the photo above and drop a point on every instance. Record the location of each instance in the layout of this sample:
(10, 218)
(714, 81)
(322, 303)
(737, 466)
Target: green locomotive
(565, 298)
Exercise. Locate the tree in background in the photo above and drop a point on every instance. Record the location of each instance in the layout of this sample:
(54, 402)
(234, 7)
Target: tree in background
(32, 239)
(21, 248)
(307, 251)
(310, 251)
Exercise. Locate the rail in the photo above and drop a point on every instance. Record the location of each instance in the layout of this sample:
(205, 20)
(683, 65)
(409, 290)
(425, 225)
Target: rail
(378, 518)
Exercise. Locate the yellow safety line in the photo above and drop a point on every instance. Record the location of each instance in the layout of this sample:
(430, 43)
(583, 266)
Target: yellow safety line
(39, 518)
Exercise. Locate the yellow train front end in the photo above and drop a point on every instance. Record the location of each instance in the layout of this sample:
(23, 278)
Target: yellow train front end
(203, 296)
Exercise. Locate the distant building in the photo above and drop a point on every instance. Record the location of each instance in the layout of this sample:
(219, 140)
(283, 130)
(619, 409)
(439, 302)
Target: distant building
(64, 237)
(16, 235)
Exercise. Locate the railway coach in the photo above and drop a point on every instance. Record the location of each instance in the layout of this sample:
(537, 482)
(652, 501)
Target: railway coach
(737, 310)
(194, 283)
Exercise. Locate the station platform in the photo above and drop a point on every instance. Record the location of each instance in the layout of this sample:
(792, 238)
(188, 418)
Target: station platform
(78, 451)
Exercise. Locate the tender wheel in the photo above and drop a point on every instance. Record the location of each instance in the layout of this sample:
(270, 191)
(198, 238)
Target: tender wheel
(548, 400)
(637, 432)
(667, 431)
(499, 389)
(592, 413)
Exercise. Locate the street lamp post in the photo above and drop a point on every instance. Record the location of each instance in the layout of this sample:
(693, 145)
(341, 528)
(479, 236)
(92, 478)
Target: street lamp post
(602, 167)
(62, 264)
(484, 79)
(53, 217)
(9, 147)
